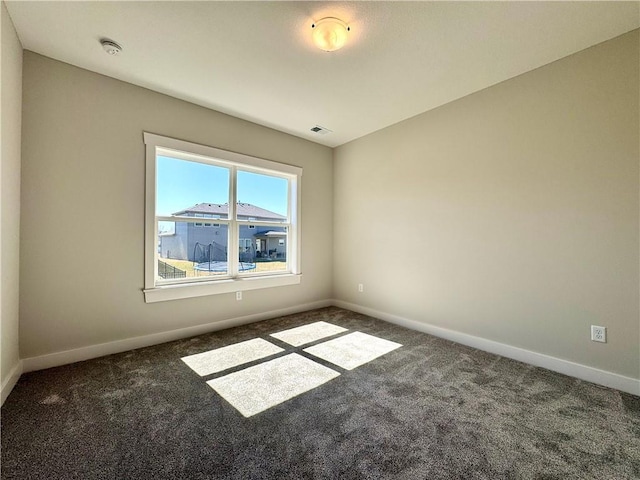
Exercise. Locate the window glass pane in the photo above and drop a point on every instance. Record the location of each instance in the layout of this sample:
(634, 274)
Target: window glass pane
(195, 189)
(262, 197)
(192, 189)
(188, 250)
(263, 249)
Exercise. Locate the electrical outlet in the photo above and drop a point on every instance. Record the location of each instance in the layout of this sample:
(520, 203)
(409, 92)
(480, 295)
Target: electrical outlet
(238, 295)
(598, 334)
(360, 288)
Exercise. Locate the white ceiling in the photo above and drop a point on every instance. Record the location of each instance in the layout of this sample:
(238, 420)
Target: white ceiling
(256, 61)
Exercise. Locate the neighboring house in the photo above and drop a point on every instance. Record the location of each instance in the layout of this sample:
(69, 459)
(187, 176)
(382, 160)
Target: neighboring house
(205, 240)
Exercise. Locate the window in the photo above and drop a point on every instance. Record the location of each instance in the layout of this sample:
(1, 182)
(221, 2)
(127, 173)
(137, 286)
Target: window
(245, 245)
(187, 181)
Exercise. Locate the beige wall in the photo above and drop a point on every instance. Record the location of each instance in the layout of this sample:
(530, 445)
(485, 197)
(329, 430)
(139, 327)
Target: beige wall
(83, 190)
(511, 214)
(10, 120)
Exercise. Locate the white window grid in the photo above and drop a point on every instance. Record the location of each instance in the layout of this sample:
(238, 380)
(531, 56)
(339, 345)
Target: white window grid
(159, 145)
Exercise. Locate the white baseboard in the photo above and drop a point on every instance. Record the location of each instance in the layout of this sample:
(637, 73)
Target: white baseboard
(102, 349)
(10, 381)
(583, 372)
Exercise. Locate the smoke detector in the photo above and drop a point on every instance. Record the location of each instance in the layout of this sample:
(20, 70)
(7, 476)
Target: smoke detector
(112, 48)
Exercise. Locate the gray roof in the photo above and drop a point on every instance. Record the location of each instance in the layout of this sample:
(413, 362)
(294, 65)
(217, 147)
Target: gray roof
(270, 233)
(222, 209)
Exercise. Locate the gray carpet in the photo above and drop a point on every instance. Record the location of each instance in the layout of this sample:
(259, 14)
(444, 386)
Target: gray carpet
(430, 409)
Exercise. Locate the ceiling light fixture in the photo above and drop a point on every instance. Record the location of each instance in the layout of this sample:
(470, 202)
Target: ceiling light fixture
(330, 33)
(112, 48)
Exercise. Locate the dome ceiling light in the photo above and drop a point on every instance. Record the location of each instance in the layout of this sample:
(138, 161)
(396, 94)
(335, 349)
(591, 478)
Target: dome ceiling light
(330, 33)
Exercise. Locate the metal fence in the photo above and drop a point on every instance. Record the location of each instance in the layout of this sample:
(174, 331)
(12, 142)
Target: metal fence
(169, 271)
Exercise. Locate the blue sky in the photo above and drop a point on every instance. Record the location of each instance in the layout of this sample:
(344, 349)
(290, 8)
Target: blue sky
(182, 184)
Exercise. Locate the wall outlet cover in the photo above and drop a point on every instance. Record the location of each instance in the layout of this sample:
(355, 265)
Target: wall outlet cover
(598, 334)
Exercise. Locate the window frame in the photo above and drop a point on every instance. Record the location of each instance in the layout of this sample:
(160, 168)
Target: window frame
(235, 281)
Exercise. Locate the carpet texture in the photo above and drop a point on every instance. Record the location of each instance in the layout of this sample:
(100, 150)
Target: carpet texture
(221, 359)
(308, 333)
(430, 409)
(352, 350)
(258, 388)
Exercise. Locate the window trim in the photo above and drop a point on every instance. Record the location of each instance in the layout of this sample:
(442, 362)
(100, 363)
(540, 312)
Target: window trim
(201, 153)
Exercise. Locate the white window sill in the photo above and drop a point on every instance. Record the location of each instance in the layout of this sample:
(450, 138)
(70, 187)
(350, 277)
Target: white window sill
(190, 290)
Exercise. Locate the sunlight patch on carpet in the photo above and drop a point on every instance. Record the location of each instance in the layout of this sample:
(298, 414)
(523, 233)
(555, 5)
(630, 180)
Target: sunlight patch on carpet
(258, 388)
(220, 359)
(352, 350)
(308, 333)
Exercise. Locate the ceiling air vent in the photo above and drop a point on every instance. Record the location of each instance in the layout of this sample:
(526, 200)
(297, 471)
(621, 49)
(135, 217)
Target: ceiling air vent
(320, 130)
